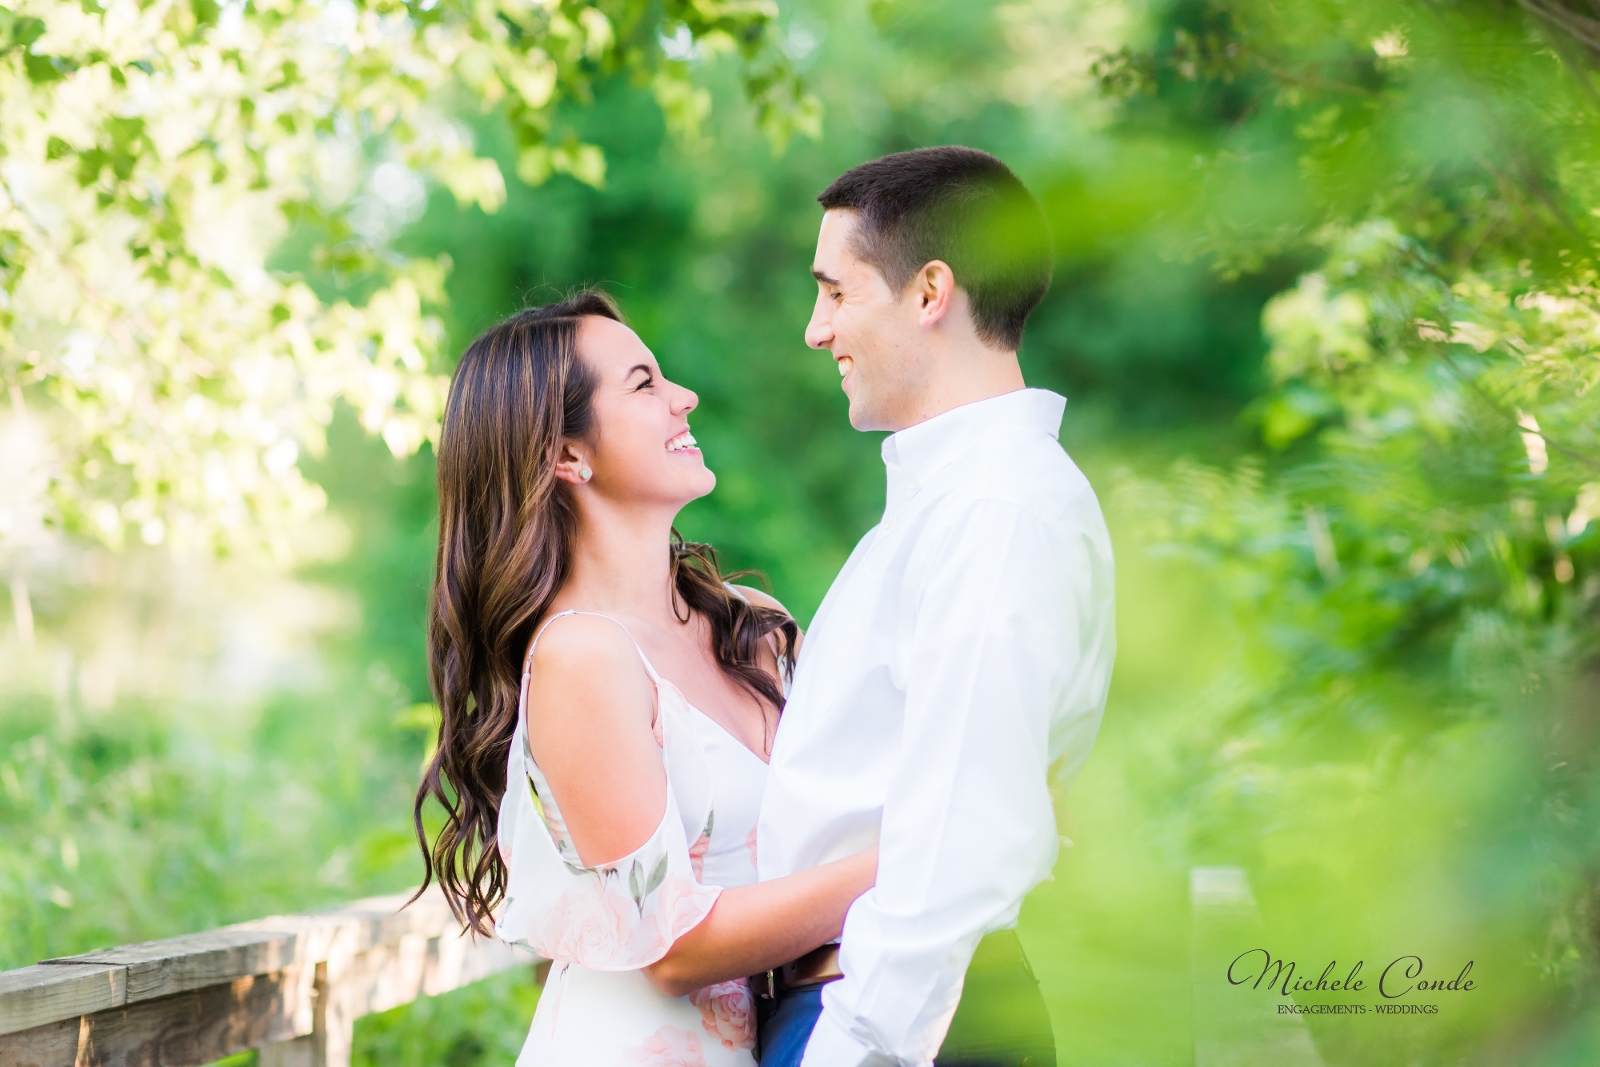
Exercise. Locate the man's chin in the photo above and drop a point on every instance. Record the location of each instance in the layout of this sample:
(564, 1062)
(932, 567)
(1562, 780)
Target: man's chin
(863, 416)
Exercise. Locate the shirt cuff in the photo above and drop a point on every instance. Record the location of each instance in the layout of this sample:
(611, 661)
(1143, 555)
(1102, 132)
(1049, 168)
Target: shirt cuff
(832, 1046)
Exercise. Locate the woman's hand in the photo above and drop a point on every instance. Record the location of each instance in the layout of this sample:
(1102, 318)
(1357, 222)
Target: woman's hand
(756, 928)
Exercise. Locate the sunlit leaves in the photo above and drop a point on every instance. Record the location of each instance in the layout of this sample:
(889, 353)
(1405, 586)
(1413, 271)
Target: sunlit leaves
(153, 155)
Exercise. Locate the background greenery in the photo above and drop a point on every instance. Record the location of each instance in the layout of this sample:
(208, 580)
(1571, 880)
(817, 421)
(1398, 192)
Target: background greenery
(1325, 309)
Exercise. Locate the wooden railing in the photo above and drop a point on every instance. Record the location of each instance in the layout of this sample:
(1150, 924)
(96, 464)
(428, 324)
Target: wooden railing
(291, 986)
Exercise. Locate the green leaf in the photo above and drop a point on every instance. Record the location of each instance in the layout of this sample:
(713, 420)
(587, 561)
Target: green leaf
(43, 69)
(657, 876)
(633, 882)
(25, 31)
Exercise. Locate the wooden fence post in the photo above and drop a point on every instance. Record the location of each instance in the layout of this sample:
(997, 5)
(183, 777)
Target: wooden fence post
(310, 1050)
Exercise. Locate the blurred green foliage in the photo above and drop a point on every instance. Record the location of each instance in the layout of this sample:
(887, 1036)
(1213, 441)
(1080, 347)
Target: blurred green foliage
(1326, 313)
(156, 151)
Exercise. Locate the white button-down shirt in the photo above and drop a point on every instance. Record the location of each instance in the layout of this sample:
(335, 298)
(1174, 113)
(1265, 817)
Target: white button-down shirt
(964, 649)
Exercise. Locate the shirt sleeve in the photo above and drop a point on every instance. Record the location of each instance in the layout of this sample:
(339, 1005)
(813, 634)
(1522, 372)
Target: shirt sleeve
(968, 824)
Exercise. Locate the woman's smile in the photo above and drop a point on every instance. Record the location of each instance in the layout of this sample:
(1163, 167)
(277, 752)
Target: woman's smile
(683, 442)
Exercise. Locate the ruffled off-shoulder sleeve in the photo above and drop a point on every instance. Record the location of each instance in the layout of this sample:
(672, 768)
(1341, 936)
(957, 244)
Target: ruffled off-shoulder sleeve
(618, 917)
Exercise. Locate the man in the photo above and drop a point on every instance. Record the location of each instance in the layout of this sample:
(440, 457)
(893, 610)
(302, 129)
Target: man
(965, 647)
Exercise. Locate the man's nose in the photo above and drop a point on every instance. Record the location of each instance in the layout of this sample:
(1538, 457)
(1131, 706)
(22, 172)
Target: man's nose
(819, 333)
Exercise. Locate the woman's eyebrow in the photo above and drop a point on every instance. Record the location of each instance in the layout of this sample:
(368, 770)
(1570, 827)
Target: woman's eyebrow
(638, 367)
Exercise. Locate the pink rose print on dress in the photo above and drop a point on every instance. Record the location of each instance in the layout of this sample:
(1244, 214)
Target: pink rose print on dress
(591, 927)
(697, 856)
(697, 851)
(683, 903)
(667, 1047)
(727, 1013)
(750, 843)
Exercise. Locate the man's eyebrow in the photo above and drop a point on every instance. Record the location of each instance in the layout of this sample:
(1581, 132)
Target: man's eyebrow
(823, 278)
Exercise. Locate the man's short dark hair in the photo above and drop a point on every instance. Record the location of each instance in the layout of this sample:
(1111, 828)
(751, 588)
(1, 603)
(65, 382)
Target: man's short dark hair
(964, 207)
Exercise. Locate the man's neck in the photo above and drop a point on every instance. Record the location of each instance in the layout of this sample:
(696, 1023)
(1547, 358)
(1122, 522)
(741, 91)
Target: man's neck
(966, 379)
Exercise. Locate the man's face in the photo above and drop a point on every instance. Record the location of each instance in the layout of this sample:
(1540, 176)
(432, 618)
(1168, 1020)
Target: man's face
(871, 330)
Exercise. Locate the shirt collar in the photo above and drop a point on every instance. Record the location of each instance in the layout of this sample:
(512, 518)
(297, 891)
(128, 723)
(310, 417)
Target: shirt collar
(911, 455)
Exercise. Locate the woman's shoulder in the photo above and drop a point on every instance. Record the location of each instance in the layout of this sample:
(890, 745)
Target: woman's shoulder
(566, 637)
(759, 598)
(586, 659)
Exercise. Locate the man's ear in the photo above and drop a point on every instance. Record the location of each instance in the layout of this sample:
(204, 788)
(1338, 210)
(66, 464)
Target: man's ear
(571, 466)
(934, 287)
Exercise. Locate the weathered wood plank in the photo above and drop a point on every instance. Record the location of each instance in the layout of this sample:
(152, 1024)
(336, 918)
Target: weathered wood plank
(478, 960)
(389, 975)
(209, 995)
(32, 996)
(194, 961)
(184, 1030)
(361, 925)
(1236, 1026)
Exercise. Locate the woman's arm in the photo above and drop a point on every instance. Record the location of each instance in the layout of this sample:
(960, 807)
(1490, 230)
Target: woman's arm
(590, 706)
(757, 927)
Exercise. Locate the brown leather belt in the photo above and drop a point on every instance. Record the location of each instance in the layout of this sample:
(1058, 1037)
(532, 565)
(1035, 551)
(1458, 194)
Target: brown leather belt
(997, 950)
(816, 967)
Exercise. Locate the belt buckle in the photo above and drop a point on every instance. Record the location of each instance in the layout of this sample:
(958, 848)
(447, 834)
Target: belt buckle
(764, 985)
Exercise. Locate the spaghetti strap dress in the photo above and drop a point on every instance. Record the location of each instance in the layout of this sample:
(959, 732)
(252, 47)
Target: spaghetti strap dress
(600, 924)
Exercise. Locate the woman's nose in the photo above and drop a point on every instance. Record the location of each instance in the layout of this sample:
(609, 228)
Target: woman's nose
(688, 400)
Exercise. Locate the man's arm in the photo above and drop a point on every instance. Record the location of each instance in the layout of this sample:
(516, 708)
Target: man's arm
(968, 824)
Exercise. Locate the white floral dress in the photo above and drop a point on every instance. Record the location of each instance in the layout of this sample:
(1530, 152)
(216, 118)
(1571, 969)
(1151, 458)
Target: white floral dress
(600, 925)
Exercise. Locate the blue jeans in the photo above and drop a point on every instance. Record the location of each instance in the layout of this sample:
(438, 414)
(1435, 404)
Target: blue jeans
(784, 1037)
(1002, 1020)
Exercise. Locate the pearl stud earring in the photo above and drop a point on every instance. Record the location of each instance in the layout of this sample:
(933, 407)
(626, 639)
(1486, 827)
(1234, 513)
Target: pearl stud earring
(586, 474)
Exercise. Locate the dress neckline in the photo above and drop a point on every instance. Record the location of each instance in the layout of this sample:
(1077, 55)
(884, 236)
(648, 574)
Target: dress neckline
(661, 679)
(656, 676)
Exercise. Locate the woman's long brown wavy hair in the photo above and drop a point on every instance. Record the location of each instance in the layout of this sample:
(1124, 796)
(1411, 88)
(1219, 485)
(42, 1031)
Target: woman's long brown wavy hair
(506, 531)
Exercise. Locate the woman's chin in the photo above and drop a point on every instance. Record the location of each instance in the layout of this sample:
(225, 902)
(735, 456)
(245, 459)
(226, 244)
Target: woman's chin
(689, 486)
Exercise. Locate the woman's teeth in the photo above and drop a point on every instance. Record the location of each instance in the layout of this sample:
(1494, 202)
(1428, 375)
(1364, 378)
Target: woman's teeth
(680, 442)
(845, 365)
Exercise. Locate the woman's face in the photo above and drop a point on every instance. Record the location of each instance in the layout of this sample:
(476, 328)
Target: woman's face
(640, 448)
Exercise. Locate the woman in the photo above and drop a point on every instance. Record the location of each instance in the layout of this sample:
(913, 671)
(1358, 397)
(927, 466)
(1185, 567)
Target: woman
(606, 812)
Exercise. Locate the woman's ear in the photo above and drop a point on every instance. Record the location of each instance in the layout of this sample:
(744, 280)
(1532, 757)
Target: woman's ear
(934, 286)
(571, 465)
